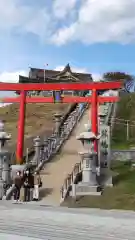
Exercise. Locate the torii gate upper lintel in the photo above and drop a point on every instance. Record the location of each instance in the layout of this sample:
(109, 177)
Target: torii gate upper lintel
(94, 99)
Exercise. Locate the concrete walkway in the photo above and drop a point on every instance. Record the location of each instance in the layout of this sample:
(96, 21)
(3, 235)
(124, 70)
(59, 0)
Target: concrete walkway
(29, 222)
(56, 171)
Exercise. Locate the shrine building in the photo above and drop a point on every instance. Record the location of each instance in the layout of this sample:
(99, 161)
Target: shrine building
(53, 76)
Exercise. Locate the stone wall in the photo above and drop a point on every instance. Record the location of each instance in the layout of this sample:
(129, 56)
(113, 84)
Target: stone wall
(123, 155)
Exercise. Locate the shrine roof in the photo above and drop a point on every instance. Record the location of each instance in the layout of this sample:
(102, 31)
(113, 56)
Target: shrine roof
(37, 75)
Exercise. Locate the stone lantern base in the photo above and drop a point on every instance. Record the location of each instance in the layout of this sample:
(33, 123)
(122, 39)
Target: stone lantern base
(106, 177)
(84, 189)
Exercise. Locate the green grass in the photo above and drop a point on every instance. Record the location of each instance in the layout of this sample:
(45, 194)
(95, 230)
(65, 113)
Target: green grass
(126, 111)
(122, 145)
(121, 196)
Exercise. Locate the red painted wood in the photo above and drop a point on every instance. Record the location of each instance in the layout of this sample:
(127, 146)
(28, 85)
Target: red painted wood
(94, 99)
(64, 100)
(59, 86)
(21, 125)
(94, 117)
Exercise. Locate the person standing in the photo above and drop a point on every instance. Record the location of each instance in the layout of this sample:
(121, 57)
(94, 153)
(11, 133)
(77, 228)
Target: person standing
(27, 185)
(18, 183)
(37, 185)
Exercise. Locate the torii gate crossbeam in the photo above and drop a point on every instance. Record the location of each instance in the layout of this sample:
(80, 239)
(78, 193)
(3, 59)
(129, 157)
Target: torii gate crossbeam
(23, 99)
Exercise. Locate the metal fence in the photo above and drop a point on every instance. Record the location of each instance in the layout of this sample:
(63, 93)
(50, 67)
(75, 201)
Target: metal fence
(124, 131)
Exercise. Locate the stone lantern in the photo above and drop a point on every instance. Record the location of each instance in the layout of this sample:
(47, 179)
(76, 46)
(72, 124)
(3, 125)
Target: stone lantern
(5, 179)
(89, 185)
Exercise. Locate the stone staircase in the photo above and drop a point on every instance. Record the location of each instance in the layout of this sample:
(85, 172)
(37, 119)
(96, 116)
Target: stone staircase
(56, 171)
(62, 173)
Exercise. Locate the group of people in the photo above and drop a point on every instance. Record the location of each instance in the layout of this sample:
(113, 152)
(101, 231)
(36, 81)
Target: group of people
(30, 183)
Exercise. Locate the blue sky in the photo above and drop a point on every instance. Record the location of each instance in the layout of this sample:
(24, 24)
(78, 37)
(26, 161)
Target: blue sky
(92, 35)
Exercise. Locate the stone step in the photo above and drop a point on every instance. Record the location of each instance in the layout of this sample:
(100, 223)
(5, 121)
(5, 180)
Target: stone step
(56, 171)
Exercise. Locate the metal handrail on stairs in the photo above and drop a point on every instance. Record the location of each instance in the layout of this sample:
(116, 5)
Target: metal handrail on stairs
(53, 147)
(70, 180)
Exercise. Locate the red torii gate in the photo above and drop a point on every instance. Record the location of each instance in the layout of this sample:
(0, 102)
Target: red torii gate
(94, 99)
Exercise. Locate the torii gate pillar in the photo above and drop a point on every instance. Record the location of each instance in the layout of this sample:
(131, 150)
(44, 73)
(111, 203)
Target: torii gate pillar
(23, 88)
(94, 116)
(21, 126)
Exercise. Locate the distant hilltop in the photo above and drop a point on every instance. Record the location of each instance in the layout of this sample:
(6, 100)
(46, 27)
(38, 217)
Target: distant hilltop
(4, 104)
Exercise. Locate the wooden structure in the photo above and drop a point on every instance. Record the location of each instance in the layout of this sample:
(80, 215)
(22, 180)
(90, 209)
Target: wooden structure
(52, 76)
(94, 99)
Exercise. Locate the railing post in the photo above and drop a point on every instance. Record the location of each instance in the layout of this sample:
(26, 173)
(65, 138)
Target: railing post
(1, 179)
(37, 145)
(57, 123)
(45, 150)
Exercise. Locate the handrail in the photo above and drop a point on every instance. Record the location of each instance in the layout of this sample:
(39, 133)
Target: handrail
(70, 180)
(54, 142)
(78, 166)
(31, 148)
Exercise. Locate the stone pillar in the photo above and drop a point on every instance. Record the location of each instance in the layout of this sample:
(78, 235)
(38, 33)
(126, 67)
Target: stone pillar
(45, 144)
(4, 161)
(109, 147)
(52, 143)
(45, 148)
(37, 145)
(1, 179)
(57, 123)
(89, 174)
(105, 156)
(101, 118)
(6, 169)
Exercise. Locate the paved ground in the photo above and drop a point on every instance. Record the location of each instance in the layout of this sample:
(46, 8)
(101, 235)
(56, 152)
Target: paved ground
(29, 222)
(56, 171)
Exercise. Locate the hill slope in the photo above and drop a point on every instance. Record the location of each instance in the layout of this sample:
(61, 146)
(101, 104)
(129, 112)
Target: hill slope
(125, 111)
(39, 120)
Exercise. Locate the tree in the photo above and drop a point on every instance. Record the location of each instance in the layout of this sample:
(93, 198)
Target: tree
(117, 76)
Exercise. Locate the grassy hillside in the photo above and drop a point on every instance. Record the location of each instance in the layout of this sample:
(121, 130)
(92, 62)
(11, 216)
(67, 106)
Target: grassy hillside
(121, 196)
(125, 110)
(39, 120)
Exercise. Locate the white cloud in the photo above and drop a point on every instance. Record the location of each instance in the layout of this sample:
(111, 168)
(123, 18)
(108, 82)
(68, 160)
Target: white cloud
(88, 21)
(100, 21)
(96, 77)
(12, 77)
(63, 8)
(19, 17)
